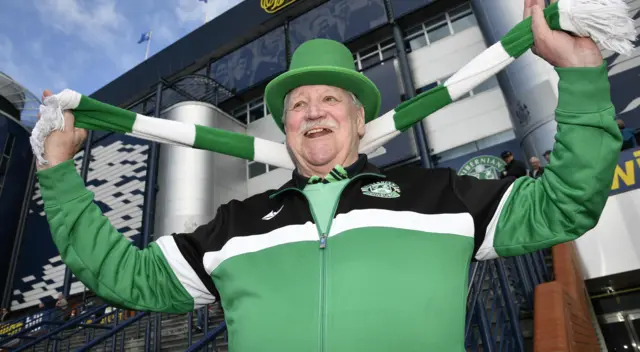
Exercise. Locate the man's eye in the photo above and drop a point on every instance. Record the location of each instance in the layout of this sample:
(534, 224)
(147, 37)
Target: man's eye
(298, 105)
(330, 99)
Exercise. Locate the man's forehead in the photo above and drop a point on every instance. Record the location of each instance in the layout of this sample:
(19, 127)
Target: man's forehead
(315, 89)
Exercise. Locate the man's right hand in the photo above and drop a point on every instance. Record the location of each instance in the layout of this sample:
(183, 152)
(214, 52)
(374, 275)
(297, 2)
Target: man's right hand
(60, 146)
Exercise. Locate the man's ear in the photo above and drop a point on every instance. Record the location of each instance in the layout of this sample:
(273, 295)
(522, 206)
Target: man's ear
(360, 122)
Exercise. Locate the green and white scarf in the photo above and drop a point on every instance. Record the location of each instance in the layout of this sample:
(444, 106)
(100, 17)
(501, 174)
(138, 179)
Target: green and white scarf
(606, 21)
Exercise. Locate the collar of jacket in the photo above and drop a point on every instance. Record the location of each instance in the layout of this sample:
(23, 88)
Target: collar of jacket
(360, 166)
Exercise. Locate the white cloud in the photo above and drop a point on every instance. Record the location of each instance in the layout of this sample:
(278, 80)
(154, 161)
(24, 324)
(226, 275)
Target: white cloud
(98, 24)
(193, 11)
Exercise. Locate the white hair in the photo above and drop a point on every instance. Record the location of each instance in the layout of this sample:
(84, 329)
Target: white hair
(287, 97)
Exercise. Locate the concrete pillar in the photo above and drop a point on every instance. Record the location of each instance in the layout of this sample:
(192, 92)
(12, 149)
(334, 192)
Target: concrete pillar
(530, 84)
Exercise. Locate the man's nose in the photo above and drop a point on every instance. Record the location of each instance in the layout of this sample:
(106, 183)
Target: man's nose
(315, 111)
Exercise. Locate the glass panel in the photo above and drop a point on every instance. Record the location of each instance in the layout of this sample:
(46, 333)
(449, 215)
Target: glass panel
(463, 23)
(414, 31)
(387, 43)
(257, 169)
(370, 61)
(460, 11)
(240, 113)
(368, 51)
(9, 145)
(418, 42)
(436, 22)
(438, 32)
(256, 113)
(389, 52)
(616, 337)
(271, 168)
(486, 85)
(257, 102)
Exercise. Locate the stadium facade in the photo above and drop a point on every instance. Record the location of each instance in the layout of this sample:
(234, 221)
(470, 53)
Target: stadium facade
(216, 75)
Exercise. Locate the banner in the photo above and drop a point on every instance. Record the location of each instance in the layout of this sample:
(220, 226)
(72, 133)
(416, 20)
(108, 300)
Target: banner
(627, 172)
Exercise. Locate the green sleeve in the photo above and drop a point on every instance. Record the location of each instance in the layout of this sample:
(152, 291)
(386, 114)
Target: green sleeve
(104, 260)
(569, 198)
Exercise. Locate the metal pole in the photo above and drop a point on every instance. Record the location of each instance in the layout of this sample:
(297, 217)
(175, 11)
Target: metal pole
(150, 189)
(84, 172)
(509, 302)
(17, 241)
(151, 178)
(407, 84)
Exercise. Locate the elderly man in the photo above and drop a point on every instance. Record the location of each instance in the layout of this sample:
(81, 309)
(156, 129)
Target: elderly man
(536, 169)
(344, 257)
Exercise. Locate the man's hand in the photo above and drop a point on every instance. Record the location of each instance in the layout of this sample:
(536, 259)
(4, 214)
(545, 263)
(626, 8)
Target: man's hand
(60, 146)
(558, 48)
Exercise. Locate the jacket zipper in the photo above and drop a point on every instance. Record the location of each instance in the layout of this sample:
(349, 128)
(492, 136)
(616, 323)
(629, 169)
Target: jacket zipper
(323, 241)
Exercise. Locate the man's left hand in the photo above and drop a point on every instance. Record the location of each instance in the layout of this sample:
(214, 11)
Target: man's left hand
(559, 48)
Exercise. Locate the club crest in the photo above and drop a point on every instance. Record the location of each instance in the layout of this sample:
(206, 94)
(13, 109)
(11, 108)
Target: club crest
(382, 189)
(485, 167)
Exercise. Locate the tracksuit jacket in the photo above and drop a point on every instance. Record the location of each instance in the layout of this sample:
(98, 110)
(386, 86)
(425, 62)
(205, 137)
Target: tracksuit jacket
(360, 260)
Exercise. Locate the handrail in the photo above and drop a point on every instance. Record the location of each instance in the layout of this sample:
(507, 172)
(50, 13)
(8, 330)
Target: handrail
(213, 334)
(72, 322)
(113, 331)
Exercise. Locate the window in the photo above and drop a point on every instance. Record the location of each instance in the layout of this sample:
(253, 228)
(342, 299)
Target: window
(255, 169)
(256, 109)
(375, 54)
(462, 18)
(251, 111)
(440, 27)
(240, 113)
(437, 29)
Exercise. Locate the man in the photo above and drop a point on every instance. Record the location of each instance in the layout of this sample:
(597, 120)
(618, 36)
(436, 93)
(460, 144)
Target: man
(63, 306)
(514, 168)
(628, 137)
(349, 258)
(536, 169)
(547, 156)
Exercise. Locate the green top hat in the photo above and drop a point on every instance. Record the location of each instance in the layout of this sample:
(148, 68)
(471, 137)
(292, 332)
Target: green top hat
(327, 62)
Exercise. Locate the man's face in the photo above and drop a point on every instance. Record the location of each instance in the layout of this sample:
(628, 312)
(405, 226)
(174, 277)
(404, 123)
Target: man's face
(323, 127)
(507, 159)
(535, 163)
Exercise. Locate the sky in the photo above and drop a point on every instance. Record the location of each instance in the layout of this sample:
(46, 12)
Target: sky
(85, 44)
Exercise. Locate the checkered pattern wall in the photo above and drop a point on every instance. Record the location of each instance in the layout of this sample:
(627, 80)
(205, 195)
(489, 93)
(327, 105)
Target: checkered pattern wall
(116, 176)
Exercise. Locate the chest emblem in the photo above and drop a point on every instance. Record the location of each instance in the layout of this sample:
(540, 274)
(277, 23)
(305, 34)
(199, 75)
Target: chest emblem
(485, 167)
(382, 189)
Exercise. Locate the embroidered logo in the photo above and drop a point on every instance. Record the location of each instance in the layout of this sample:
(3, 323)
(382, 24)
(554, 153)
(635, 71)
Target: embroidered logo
(272, 214)
(382, 189)
(485, 167)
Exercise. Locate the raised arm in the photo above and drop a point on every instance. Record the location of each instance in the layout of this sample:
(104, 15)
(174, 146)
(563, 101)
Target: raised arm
(516, 217)
(167, 276)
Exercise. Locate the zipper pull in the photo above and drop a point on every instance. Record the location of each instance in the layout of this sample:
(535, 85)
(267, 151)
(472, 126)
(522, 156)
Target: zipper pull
(323, 241)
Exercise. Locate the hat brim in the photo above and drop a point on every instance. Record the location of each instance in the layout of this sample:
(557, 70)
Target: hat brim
(355, 82)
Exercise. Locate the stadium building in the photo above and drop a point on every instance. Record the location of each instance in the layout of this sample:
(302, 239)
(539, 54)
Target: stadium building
(216, 76)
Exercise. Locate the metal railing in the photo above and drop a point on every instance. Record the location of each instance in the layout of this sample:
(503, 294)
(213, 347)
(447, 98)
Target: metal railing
(500, 295)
